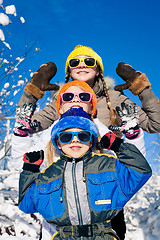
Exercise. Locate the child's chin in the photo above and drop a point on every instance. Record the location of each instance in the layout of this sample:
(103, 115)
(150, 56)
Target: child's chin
(75, 153)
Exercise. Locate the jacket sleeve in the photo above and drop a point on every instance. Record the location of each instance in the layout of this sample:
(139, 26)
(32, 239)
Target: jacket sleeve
(133, 171)
(149, 112)
(138, 142)
(20, 145)
(27, 183)
(46, 116)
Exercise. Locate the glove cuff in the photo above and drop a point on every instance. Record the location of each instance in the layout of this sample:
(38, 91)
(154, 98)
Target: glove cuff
(20, 133)
(31, 167)
(139, 84)
(34, 90)
(116, 144)
(133, 135)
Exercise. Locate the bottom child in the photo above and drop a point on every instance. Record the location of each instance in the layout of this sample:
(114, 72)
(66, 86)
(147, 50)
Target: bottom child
(82, 191)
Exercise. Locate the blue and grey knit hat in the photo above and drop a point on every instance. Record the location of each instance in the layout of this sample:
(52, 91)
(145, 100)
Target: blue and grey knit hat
(74, 118)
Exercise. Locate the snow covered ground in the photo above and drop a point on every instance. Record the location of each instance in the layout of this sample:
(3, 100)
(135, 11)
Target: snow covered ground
(142, 213)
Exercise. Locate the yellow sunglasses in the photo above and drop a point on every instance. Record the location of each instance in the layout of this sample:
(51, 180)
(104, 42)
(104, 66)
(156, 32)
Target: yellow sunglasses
(88, 61)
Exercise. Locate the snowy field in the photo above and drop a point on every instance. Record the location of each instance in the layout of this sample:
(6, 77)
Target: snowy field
(142, 213)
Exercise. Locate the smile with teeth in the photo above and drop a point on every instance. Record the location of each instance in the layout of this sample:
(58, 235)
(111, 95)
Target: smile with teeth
(75, 106)
(75, 148)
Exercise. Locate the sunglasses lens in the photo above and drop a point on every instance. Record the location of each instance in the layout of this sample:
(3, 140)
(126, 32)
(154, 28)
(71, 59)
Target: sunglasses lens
(89, 62)
(67, 97)
(65, 137)
(84, 97)
(74, 62)
(84, 136)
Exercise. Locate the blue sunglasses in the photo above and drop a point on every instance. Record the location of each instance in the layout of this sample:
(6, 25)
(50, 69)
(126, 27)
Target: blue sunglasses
(67, 136)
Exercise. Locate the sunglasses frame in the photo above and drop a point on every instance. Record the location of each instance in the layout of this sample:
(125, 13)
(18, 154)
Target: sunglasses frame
(82, 60)
(76, 94)
(74, 134)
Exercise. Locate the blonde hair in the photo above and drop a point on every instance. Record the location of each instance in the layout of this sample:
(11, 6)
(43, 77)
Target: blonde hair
(50, 152)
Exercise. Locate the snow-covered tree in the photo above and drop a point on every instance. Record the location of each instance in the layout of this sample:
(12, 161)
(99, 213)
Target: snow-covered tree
(12, 79)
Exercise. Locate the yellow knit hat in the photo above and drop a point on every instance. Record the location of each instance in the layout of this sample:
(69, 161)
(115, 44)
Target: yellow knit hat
(81, 84)
(84, 50)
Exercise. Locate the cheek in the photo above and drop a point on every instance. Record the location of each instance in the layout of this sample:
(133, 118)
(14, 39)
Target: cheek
(88, 108)
(65, 148)
(64, 107)
(72, 72)
(86, 148)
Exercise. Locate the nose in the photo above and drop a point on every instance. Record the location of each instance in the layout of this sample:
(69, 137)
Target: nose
(82, 64)
(75, 139)
(76, 99)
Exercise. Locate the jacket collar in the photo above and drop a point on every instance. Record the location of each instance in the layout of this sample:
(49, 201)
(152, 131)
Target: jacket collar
(85, 157)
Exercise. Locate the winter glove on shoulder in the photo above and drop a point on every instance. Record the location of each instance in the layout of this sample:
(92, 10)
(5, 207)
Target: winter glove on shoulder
(41, 80)
(23, 122)
(129, 121)
(33, 160)
(136, 81)
(110, 141)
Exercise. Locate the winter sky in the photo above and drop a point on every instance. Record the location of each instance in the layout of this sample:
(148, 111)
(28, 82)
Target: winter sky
(127, 31)
(119, 31)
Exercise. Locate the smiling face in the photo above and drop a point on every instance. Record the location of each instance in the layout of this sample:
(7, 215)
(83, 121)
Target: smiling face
(75, 103)
(84, 73)
(75, 148)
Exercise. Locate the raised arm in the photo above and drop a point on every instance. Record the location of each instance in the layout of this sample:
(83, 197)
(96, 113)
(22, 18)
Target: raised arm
(34, 90)
(139, 84)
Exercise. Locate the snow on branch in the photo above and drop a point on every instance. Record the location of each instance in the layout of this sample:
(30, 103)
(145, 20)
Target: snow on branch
(5, 20)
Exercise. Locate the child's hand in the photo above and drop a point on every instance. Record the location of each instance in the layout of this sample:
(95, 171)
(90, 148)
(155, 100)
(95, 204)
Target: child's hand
(43, 76)
(23, 120)
(34, 157)
(136, 81)
(129, 121)
(110, 141)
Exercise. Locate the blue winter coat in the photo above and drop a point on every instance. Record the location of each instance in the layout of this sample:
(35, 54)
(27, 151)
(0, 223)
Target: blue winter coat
(94, 187)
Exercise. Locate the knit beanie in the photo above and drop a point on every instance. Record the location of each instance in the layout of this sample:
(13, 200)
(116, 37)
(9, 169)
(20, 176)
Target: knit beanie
(84, 50)
(81, 84)
(74, 118)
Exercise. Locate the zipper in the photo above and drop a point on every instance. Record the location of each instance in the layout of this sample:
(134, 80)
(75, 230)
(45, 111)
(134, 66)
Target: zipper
(79, 212)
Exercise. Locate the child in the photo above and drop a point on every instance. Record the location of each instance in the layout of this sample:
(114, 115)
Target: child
(81, 192)
(89, 106)
(19, 147)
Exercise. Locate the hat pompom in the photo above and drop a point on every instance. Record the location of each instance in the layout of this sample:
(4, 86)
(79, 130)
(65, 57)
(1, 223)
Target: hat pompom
(75, 112)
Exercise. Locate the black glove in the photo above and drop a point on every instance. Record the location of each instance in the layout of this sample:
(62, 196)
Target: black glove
(33, 160)
(110, 141)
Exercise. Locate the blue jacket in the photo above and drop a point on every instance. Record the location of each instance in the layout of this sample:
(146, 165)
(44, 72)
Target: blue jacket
(93, 188)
